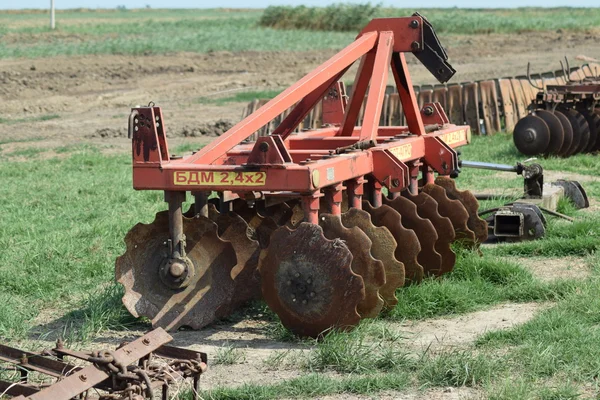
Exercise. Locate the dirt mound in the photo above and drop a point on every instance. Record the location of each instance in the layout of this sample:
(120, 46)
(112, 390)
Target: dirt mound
(214, 128)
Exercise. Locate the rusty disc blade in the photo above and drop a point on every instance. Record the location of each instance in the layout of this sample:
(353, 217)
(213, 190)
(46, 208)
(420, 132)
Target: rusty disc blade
(531, 135)
(233, 228)
(280, 213)
(408, 247)
(363, 264)
(470, 203)
(557, 134)
(453, 210)
(568, 131)
(593, 121)
(428, 257)
(383, 248)
(260, 228)
(585, 131)
(427, 208)
(308, 281)
(210, 287)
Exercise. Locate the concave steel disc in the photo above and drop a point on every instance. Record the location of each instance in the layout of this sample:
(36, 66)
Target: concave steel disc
(428, 257)
(383, 248)
(568, 132)
(408, 246)
(577, 131)
(585, 131)
(260, 228)
(454, 211)
(209, 289)
(363, 264)
(427, 208)
(531, 135)
(593, 121)
(233, 228)
(557, 134)
(307, 280)
(470, 203)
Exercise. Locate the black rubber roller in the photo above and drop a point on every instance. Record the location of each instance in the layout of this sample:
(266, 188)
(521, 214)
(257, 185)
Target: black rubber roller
(593, 121)
(568, 131)
(531, 135)
(557, 134)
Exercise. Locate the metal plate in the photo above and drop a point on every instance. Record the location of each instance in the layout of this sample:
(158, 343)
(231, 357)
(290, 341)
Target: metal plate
(471, 106)
(427, 208)
(520, 103)
(454, 211)
(363, 264)
(531, 135)
(383, 248)
(428, 257)
(557, 134)
(196, 305)
(568, 132)
(308, 282)
(455, 105)
(508, 104)
(408, 243)
(470, 203)
(489, 105)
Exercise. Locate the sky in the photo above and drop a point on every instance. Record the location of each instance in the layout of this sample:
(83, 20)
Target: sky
(18, 4)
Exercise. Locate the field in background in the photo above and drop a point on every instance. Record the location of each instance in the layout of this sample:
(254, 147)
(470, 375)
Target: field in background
(147, 31)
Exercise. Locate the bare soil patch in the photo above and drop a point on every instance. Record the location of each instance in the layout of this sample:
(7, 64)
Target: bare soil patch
(549, 269)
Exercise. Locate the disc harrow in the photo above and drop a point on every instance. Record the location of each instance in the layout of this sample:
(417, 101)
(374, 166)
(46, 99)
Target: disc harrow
(325, 224)
(564, 119)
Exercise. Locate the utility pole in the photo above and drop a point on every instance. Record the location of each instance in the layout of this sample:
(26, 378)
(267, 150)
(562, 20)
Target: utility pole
(52, 24)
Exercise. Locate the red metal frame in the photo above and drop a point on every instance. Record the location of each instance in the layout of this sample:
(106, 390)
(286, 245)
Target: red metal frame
(339, 156)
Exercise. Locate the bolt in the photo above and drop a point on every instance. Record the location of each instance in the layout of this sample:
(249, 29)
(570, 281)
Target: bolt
(414, 24)
(308, 281)
(177, 269)
(297, 275)
(289, 283)
(415, 46)
(264, 147)
(529, 135)
(294, 300)
(146, 341)
(312, 294)
(428, 110)
(304, 302)
(83, 377)
(395, 182)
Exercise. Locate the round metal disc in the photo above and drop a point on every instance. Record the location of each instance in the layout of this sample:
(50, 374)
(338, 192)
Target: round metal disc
(427, 208)
(383, 248)
(259, 228)
(531, 135)
(585, 131)
(363, 264)
(428, 257)
(470, 203)
(454, 211)
(233, 228)
(567, 130)
(557, 134)
(577, 131)
(195, 305)
(593, 121)
(408, 247)
(308, 281)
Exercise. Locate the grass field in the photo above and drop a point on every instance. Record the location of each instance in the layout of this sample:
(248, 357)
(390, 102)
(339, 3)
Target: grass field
(204, 30)
(65, 213)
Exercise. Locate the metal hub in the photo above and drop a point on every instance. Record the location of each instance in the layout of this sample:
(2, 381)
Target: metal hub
(176, 273)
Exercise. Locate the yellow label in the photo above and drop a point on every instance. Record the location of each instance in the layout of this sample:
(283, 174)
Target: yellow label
(219, 178)
(454, 137)
(402, 152)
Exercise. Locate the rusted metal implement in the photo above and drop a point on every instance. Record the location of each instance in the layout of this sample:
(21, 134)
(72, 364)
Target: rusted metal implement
(133, 371)
(323, 224)
(564, 117)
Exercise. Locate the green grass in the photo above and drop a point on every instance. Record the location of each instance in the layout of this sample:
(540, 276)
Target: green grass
(149, 31)
(242, 97)
(47, 117)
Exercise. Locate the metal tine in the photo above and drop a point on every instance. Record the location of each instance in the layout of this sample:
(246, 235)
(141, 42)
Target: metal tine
(530, 80)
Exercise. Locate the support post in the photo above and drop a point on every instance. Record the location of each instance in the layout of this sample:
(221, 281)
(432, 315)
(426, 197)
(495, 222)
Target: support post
(52, 21)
